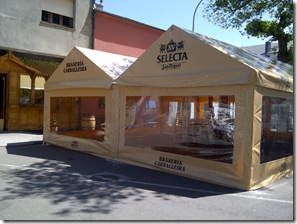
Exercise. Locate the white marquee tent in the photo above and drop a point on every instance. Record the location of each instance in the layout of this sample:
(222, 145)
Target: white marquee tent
(191, 106)
(187, 77)
(81, 100)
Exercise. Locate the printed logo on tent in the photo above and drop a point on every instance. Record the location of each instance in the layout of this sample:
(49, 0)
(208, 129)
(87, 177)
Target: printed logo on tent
(172, 55)
(76, 66)
(74, 144)
(174, 164)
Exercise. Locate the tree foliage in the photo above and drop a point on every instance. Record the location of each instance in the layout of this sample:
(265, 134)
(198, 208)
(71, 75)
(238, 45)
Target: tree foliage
(259, 18)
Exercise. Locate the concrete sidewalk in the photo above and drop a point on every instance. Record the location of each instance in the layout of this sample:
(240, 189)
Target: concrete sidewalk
(25, 137)
(46, 182)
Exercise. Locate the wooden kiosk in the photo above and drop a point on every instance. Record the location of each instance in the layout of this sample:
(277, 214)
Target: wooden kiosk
(21, 96)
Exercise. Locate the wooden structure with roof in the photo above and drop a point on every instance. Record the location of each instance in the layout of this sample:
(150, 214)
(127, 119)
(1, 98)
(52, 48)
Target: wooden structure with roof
(22, 92)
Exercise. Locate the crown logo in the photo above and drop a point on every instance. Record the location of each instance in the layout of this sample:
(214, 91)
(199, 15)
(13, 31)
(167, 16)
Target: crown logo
(74, 144)
(171, 46)
(180, 45)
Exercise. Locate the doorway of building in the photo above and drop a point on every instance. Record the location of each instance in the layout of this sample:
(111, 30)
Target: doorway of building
(2, 101)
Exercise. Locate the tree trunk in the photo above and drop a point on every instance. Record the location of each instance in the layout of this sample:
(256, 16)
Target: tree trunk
(282, 49)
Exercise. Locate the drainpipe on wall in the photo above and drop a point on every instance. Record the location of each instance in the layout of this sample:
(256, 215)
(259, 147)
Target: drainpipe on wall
(93, 22)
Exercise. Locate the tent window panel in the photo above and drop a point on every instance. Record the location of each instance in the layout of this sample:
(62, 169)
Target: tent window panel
(81, 117)
(277, 128)
(197, 126)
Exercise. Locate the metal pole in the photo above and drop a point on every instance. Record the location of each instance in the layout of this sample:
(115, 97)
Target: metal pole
(195, 14)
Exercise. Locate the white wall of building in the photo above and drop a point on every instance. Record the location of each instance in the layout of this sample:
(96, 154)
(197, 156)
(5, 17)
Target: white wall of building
(23, 30)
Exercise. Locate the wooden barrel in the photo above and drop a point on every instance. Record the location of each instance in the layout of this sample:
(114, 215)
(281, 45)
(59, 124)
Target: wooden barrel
(88, 122)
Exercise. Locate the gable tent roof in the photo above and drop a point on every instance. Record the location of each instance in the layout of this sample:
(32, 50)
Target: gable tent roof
(181, 58)
(87, 68)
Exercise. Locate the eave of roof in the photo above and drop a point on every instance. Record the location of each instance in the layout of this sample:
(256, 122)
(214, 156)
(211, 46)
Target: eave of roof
(45, 67)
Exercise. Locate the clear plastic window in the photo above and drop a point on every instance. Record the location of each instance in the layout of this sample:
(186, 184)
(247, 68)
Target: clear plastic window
(81, 117)
(277, 128)
(197, 126)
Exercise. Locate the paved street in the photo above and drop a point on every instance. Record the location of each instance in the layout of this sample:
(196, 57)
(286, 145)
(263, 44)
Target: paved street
(43, 182)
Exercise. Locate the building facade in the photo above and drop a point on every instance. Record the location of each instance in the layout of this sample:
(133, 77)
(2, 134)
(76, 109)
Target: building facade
(35, 37)
(119, 35)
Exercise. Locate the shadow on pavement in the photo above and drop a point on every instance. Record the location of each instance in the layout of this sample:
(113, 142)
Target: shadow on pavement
(91, 183)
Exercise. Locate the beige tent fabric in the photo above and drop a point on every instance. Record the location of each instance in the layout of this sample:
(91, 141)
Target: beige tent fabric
(88, 68)
(106, 148)
(263, 174)
(179, 64)
(184, 63)
(86, 73)
(181, 58)
(236, 174)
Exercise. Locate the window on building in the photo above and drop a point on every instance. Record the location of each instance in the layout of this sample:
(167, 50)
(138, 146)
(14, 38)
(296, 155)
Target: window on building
(67, 21)
(39, 90)
(25, 90)
(54, 18)
(45, 16)
(28, 93)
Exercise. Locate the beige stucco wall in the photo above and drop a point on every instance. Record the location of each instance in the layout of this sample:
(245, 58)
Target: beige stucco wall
(23, 31)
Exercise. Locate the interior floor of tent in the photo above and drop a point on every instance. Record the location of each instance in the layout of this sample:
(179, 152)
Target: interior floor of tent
(214, 150)
(86, 134)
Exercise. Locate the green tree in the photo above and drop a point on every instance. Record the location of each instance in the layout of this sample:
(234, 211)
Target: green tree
(259, 18)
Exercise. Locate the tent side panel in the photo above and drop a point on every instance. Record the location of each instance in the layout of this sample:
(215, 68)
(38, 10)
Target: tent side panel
(93, 133)
(272, 136)
(139, 145)
(199, 169)
(46, 116)
(243, 132)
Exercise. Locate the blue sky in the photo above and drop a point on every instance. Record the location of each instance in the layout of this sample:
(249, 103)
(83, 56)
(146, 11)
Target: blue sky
(163, 13)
